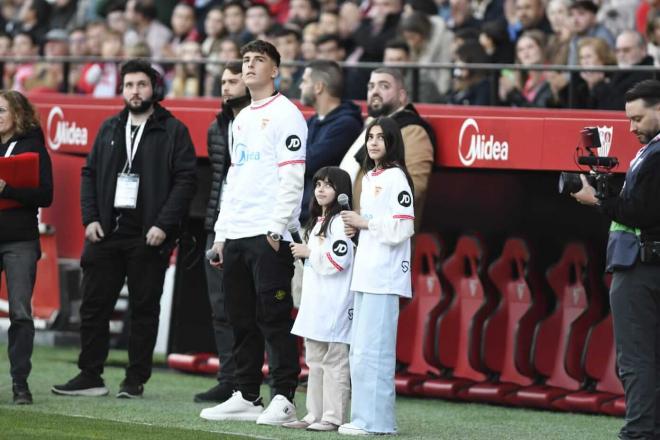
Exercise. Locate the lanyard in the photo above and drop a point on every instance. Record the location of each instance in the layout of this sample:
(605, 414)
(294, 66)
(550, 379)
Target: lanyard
(131, 148)
(10, 149)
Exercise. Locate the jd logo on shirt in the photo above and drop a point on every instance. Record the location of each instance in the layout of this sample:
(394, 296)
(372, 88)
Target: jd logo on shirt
(404, 198)
(293, 143)
(405, 266)
(340, 248)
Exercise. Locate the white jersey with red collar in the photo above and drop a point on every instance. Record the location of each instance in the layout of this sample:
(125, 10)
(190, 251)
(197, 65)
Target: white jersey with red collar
(326, 305)
(265, 181)
(382, 260)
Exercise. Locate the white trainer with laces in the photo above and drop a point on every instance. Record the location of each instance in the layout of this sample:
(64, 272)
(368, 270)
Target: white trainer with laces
(279, 412)
(235, 408)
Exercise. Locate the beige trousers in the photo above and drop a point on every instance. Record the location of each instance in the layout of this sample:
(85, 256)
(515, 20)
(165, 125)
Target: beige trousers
(328, 385)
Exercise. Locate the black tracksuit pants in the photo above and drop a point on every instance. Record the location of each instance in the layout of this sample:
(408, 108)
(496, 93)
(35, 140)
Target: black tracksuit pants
(258, 302)
(105, 267)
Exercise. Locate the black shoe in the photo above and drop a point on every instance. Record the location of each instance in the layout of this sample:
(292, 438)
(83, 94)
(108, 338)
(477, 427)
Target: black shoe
(130, 390)
(218, 393)
(22, 394)
(81, 385)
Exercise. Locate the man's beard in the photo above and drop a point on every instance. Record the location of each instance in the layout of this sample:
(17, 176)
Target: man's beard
(308, 99)
(235, 102)
(385, 109)
(142, 108)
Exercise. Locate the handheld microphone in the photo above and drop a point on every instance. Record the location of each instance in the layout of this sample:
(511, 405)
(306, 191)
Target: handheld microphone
(212, 255)
(342, 199)
(295, 236)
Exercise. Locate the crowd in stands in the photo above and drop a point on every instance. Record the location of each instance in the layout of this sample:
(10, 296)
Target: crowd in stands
(588, 33)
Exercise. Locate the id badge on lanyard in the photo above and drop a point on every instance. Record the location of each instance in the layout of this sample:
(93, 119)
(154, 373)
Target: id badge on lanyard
(128, 184)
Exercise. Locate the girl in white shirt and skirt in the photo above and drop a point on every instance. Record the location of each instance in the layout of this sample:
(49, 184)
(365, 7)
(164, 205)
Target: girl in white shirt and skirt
(381, 276)
(326, 307)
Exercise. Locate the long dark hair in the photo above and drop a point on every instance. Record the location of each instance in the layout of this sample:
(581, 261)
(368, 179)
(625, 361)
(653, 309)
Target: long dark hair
(395, 155)
(341, 182)
(23, 112)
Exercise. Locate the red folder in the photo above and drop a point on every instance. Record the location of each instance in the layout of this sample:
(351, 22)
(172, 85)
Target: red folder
(20, 171)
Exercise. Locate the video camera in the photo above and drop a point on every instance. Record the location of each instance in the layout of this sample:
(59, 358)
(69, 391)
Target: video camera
(600, 166)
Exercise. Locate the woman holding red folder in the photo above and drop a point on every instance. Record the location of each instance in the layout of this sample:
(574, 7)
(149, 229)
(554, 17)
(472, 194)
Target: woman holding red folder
(20, 132)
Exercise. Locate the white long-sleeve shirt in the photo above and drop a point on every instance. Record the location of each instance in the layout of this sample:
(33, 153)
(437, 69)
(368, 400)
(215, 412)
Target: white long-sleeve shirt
(382, 261)
(265, 181)
(326, 305)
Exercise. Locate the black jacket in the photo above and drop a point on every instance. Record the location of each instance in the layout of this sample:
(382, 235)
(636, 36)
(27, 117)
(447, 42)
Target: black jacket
(216, 142)
(20, 224)
(622, 81)
(641, 208)
(167, 178)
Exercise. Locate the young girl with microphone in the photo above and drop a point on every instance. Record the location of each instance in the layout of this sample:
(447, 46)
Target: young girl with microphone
(326, 306)
(381, 275)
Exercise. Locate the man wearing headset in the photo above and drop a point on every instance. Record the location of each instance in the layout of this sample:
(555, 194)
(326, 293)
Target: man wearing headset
(136, 188)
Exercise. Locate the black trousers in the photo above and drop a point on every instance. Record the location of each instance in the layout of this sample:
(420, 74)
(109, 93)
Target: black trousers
(257, 282)
(224, 334)
(635, 302)
(105, 267)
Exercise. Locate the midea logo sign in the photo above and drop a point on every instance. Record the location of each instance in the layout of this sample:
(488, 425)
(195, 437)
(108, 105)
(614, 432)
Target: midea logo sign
(481, 146)
(61, 132)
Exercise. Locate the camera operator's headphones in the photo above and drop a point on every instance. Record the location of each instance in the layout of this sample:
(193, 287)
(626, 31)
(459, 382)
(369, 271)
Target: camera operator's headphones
(157, 84)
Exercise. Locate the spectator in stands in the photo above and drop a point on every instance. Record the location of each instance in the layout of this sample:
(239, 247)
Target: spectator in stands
(234, 19)
(530, 14)
(494, 38)
(302, 12)
(387, 96)
(258, 21)
(23, 45)
(617, 15)
(376, 29)
(235, 97)
(462, 17)
(429, 41)
(144, 183)
(116, 19)
(557, 47)
(526, 88)
(350, 18)
(329, 22)
(63, 14)
(141, 16)
(101, 80)
(33, 17)
(653, 35)
(594, 52)
(583, 17)
(20, 132)
(183, 28)
(5, 45)
(334, 126)
(330, 47)
(214, 31)
(470, 86)
(310, 34)
(288, 42)
(186, 80)
(77, 48)
(630, 52)
(396, 51)
(48, 76)
(94, 32)
(632, 258)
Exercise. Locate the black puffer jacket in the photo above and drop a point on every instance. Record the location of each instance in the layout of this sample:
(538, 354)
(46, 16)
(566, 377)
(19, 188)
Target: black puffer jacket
(20, 224)
(167, 178)
(216, 141)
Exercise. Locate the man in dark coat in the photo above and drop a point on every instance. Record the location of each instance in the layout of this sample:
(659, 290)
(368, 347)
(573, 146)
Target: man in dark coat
(136, 189)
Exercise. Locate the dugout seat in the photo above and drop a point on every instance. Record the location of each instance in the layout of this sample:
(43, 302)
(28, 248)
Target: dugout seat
(458, 328)
(558, 340)
(506, 343)
(415, 328)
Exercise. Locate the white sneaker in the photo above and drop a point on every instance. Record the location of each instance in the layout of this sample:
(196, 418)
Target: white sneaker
(234, 408)
(279, 412)
(348, 429)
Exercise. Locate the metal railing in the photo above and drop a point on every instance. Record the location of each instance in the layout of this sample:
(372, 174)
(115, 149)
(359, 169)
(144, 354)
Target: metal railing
(492, 70)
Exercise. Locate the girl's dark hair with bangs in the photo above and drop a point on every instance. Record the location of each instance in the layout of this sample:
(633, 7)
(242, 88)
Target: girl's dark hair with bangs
(395, 155)
(341, 182)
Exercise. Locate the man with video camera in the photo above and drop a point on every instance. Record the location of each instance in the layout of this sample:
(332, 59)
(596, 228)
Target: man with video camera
(633, 255)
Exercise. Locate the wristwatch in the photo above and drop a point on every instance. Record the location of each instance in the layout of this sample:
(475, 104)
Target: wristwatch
(274, 236)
